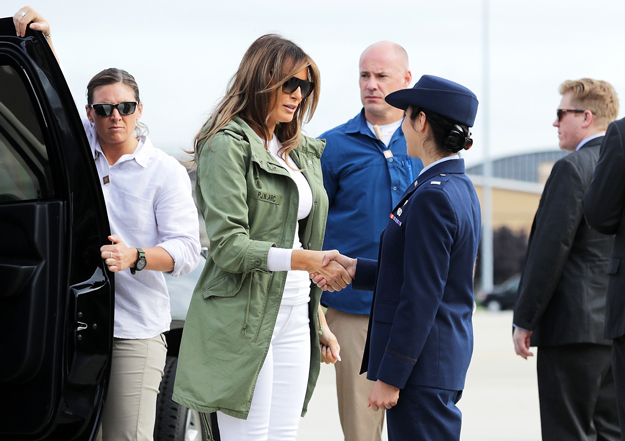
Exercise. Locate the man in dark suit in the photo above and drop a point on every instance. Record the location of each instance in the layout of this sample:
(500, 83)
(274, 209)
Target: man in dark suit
(561, 303)
(604, 204)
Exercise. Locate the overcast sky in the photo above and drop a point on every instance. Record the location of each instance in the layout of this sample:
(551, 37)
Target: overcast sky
(183, 53)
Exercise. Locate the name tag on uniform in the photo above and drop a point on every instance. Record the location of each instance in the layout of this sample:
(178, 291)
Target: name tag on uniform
(268, 197)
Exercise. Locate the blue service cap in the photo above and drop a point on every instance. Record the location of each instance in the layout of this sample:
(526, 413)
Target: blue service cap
(440, 96)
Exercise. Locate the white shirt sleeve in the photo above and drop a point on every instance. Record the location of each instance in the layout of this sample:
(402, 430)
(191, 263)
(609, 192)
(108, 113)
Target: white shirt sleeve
(279, 259)
(177, 219)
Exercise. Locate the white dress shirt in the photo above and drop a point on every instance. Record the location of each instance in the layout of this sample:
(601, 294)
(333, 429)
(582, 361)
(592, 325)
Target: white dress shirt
(149, 203)
(446, 158)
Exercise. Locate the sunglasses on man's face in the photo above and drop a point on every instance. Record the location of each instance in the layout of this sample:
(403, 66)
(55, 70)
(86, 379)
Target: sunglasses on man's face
(126, 108)
(292, 84)
(562, 112)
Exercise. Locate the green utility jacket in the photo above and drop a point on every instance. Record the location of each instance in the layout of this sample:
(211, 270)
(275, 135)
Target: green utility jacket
(250, 204)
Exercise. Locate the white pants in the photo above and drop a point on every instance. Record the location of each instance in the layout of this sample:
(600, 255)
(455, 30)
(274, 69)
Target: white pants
(281, 386)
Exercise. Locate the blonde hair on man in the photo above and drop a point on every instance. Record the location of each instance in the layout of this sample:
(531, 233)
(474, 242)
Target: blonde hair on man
(595, 95)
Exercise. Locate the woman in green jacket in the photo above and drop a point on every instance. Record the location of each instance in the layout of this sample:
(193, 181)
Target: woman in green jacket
(251, 344)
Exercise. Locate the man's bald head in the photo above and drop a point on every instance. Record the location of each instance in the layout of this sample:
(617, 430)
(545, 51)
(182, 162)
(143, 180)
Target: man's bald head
(383, 69)
(390, 49)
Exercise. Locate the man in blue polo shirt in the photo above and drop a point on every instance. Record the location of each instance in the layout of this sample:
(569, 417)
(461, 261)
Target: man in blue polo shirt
(365, 171)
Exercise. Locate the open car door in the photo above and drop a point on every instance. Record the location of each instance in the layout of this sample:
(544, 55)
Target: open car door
(56, 294)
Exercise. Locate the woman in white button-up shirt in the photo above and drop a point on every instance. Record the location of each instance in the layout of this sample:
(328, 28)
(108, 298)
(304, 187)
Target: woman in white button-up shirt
(154, 230)
(154, 227)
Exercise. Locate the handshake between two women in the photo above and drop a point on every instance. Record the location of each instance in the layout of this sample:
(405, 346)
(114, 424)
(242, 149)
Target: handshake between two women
(330, 270)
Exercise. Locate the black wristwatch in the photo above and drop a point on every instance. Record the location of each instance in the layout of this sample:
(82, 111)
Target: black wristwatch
(140, 263)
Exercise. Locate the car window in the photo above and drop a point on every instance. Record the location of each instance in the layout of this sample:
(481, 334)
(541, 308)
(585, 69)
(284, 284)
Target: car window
(24, 165)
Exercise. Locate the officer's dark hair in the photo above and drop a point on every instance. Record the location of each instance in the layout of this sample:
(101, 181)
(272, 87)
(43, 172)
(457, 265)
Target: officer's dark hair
(449, 136)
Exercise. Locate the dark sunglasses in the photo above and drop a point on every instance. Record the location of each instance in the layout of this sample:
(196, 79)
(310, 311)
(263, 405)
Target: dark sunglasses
(125, 108)
(291, 85)
(562, 112)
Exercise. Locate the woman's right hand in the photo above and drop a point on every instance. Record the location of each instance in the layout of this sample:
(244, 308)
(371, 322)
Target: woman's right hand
(24, 16)
(323, 263)
(346, 262)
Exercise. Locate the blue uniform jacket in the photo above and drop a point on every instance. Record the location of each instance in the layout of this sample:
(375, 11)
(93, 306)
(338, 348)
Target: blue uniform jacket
(420, 330)
(363, 186)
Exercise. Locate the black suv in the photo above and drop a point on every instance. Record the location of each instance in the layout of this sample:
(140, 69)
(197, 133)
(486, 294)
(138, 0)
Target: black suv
(56, 293)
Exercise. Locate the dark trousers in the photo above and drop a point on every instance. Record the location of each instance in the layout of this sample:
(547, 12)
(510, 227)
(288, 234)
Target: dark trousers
(425, 414)
(618, 367)
(577, 393)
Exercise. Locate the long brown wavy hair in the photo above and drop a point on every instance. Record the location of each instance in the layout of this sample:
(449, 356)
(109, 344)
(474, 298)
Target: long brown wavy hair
(269, 62)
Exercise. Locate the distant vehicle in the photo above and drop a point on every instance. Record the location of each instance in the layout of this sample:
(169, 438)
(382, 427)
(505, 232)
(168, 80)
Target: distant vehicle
(503, 296)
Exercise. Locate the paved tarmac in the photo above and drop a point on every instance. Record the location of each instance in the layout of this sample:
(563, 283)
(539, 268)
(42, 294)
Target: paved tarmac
(500, 400)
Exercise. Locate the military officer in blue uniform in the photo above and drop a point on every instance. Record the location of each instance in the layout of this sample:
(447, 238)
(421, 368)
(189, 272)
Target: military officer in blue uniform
(420, 332)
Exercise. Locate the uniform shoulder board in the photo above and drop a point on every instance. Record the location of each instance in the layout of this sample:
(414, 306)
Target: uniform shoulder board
(435, 182)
